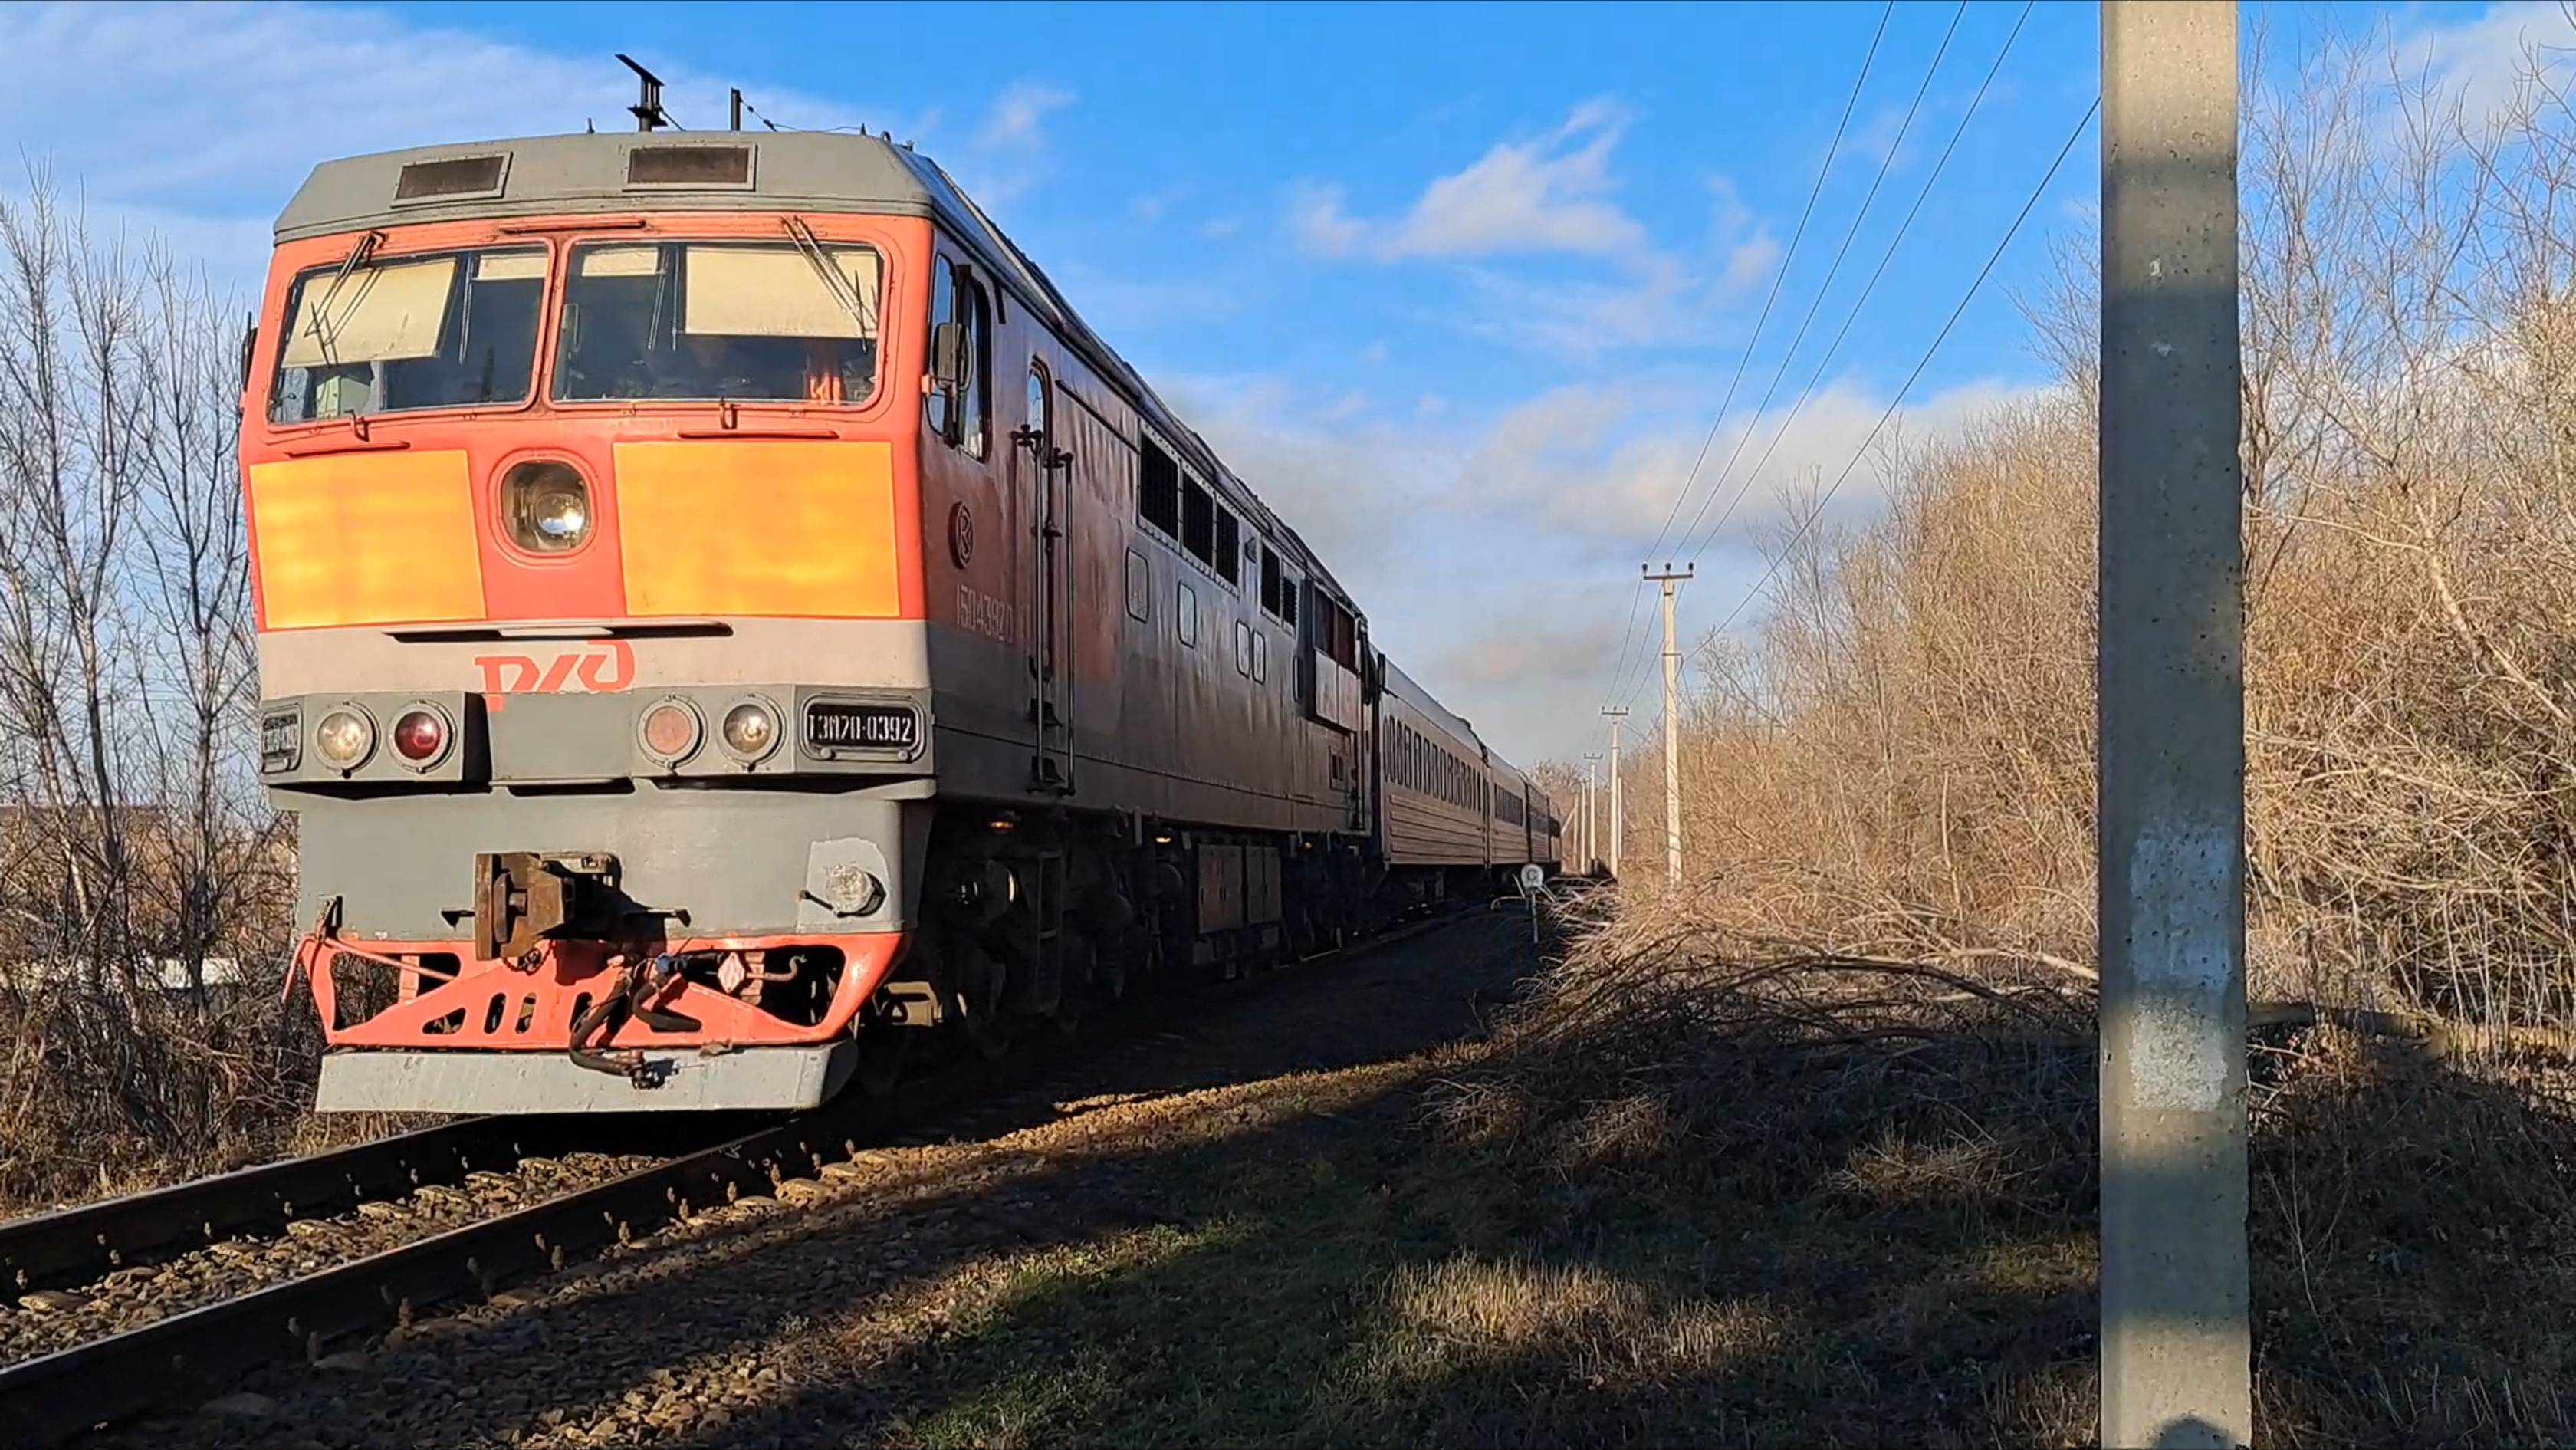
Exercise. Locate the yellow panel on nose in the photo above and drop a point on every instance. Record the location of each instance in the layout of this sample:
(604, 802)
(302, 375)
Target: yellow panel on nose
(366, 538)
(758, 528)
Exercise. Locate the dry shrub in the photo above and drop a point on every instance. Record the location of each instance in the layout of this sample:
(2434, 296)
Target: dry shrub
(1898, 760)
(144, 884)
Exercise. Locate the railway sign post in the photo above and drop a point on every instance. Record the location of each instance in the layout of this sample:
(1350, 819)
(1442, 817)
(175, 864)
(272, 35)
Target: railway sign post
(2176, 1361)
(1533, 879)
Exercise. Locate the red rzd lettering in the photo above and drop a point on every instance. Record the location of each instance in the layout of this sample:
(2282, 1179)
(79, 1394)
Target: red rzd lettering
(605, 667)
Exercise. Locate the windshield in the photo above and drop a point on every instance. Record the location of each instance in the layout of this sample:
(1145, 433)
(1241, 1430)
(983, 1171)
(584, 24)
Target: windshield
(775, 321)
(448, 331)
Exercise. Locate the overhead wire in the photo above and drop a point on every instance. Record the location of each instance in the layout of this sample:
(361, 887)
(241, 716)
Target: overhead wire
(1886, 164)
(1780, 276)
(1868, 289)
(1992, 258)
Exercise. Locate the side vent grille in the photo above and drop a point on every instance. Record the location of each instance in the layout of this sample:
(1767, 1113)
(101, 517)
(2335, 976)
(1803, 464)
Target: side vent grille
(462, 176)
(725, 167)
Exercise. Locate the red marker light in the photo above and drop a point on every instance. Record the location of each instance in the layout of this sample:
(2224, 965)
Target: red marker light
(670, 732)
(420, 736)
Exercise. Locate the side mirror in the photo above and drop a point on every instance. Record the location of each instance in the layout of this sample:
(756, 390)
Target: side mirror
(948, 355)
(249, 345)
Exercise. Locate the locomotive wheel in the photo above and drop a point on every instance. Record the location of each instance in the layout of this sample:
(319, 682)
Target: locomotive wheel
(1109, 973)
(1065, 1022)
(881, 1055)
(989, 1030)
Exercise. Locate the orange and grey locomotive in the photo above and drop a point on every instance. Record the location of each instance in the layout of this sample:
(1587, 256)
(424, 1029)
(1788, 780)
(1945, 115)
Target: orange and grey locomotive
(723, 618)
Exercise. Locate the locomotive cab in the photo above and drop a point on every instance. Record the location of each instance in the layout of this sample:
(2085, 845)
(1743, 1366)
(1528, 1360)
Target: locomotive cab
(581, 483)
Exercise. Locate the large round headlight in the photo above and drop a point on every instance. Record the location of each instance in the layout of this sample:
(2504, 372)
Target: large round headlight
(547, 507)
(344, 737)
(751, 731)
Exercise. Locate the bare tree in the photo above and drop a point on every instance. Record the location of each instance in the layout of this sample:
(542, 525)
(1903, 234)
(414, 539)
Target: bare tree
(134, 844)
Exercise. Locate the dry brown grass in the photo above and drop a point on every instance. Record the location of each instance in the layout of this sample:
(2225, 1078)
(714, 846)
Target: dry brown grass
(1467, 1314)
(1902, 1166)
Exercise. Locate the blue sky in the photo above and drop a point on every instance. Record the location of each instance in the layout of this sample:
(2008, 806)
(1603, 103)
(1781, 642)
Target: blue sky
(1458, 288)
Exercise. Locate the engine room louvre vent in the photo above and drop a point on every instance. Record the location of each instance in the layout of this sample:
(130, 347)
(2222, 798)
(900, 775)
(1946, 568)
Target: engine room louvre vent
(458, 176)
(717, 166)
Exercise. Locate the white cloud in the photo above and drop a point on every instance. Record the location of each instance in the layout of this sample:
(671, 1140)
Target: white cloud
(1549, 195)
(1657, 303)
(1607, 460)
(1336, 481)
(214, 103)
(199, 121)
(1539, 646)
(1744, 240)
(1010, 154)
(1017, 120)
(1748, 262)
(1315, 219)
(2482, 64)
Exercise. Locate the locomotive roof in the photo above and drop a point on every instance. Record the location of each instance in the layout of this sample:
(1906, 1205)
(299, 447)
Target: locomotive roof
(795, 171)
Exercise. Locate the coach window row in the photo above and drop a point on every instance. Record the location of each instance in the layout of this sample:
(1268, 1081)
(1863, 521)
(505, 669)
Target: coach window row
(1509, 809)
(1418, 763)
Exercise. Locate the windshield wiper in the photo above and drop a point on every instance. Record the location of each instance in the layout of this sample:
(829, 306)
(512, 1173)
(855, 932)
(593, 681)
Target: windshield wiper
(357, 258)
(833, 282)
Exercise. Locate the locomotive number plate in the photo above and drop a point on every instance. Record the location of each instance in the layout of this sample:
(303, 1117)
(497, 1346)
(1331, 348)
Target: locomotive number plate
(281, 740)
(835, 726)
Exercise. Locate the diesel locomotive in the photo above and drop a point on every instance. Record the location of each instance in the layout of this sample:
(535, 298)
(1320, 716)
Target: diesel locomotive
(725, 621)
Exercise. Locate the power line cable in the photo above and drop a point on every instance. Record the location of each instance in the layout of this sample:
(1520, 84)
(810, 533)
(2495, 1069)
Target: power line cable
(1886, 164)
(1807, 523)
(1787, 258)
(1808, 392)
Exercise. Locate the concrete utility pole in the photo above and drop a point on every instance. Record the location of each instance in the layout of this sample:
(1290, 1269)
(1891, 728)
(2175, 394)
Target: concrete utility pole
(1672, 583)
(1591, 838)
(2176, 1360)
(1618, 716)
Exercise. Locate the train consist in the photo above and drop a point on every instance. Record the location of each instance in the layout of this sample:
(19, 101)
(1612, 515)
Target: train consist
(725, 620)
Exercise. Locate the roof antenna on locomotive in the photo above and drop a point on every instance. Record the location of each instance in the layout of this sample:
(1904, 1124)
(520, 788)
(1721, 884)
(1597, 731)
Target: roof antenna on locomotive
(647, 110)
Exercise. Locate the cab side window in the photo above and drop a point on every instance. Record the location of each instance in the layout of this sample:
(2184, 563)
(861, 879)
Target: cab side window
(960, 408)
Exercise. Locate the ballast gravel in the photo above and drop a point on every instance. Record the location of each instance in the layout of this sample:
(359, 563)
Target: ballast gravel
(48, 1321)
(744, 1324)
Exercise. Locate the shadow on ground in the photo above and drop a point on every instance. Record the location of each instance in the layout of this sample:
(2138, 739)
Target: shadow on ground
(1342, 1215)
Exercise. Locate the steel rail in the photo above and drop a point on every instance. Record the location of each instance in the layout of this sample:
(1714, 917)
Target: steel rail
(72, 1245)
(47, 1399)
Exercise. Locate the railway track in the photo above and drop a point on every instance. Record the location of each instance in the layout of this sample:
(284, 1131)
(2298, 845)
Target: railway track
(199, 1351)
(76, 1245)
